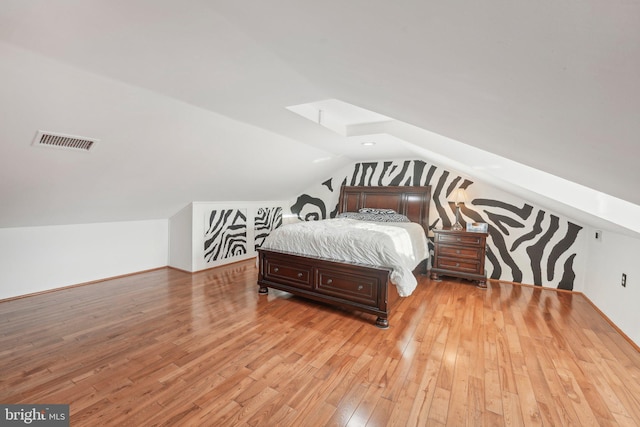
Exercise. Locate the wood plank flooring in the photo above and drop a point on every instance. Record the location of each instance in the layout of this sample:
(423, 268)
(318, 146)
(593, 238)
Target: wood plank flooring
(170, 348)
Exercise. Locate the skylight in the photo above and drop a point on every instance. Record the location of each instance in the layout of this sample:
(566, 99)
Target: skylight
(337, 115)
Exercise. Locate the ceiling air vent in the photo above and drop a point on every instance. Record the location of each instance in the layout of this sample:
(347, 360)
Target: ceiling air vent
(68, 142)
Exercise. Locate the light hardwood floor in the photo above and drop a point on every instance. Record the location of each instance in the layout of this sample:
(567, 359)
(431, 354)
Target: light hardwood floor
(171, 348)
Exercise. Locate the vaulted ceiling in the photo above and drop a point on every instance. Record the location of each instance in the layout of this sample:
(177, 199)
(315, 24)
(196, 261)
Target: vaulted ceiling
(188, 98)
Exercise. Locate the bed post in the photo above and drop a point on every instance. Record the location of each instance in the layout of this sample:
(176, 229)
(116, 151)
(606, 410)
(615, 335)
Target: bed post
(263, 290)
(382, 323)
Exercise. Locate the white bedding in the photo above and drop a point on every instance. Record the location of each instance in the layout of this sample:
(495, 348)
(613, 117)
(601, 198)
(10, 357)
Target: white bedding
(398, 245)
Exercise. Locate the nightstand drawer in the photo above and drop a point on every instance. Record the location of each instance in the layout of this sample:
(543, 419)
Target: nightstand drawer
(453, 264)
(460, 252)
(466, 239)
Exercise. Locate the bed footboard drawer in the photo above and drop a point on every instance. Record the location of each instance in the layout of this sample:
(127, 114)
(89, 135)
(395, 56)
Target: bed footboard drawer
(298, 275)
(352, 287)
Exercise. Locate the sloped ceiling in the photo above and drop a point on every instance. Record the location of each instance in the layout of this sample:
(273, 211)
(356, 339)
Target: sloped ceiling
(188, 97)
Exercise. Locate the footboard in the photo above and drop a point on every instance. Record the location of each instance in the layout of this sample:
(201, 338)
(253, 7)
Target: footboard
(356, 286)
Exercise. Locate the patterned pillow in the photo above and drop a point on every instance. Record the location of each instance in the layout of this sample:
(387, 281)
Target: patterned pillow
(375, 217)
(377, 211)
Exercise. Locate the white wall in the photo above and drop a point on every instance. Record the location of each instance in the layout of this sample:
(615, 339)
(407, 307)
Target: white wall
(181, 239)
(35, 259)
(608, 258)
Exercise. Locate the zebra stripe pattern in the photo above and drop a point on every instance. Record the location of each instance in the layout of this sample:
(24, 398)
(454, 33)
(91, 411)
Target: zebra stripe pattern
(526, 244)
(226, 234)
(266, 220)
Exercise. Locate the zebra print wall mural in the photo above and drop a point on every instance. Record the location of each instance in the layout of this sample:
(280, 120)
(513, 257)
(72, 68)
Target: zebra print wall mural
(266, 220)
(526, 244)
(225, 234)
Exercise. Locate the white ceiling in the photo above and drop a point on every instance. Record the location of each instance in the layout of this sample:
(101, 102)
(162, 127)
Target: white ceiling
(188, 97)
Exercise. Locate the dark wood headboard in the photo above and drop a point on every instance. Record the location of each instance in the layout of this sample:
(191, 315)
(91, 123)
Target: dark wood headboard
(410, 201)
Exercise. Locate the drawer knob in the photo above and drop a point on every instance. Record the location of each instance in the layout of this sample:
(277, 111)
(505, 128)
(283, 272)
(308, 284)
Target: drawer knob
(299, 274)
(360, 287)
(457, 251)
(276, 269)
(329, 282)
(457, 264)
(458, 239)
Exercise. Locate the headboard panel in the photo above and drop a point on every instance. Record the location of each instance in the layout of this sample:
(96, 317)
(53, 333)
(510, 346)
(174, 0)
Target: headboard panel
(410, 201)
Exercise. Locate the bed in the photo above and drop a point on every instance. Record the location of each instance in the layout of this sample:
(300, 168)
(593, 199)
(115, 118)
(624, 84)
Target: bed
(352, 285)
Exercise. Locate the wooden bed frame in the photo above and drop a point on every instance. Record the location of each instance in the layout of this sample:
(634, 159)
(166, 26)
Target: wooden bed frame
(356, 286)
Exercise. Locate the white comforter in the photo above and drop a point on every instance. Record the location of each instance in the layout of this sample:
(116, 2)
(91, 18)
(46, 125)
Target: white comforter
(398, 245)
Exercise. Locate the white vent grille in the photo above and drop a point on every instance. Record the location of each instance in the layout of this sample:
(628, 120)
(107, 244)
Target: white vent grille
(67, 142)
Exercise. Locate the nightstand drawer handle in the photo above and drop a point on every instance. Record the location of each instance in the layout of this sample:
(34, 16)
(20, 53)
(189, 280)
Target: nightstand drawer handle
(457, 251)
(360, 287)
(329, 282)
(457, 264)
(458, 239)
(299, 274)
(275, 270)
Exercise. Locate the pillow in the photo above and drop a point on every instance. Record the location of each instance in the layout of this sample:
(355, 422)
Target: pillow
(376, 217)
(377, 211)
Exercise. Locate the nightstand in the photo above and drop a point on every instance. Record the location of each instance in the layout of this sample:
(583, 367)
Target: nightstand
(459, 254)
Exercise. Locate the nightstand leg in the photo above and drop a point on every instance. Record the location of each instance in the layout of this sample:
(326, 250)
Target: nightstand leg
(482, 284)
